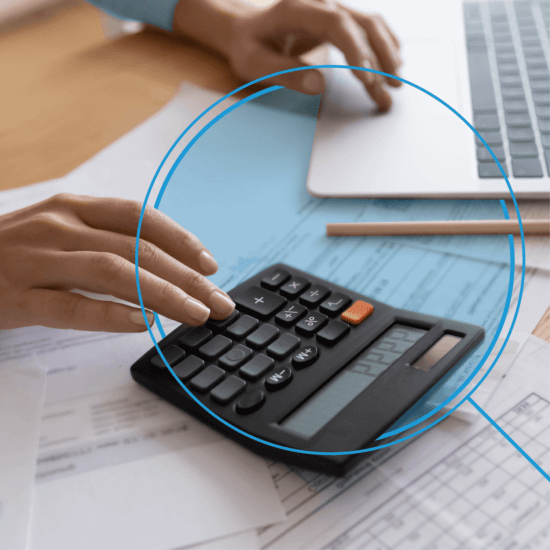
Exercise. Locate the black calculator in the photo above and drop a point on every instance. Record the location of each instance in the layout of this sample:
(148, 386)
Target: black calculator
(306, 364)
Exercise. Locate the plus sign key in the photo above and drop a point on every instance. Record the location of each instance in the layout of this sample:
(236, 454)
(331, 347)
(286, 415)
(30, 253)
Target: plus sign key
(259, 302)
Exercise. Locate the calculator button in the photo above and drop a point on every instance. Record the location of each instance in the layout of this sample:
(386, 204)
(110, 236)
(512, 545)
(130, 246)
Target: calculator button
(262, 337)
(357, 313)
(290, 314)
(213, 349)
(314, 295)
(335, 304)
(305, 357)
(257, 367)
(250, 402)
(207, 379)
(172, 354)
(236, 357)
(278, 379)
(283, 346)
(311, 323)
(260, 302)
(188, 367)
(332, 333)
(275, 279)
(223, 323)
(243, 327)
(196, 337)
(227, 391)
(295, 287)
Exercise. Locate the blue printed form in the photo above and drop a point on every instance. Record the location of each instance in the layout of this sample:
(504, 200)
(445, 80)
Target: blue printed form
(241, 189)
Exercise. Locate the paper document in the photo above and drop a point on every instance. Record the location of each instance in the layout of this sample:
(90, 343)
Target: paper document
(22, 387)
(457, 486)
(119, 467)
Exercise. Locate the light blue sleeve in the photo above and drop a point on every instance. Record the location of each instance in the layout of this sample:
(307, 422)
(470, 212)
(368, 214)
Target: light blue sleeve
(159, 13)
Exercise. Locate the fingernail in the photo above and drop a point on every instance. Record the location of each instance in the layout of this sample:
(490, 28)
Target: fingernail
(313, 83)
(221, 305)
(136, 317)
(196, 310)
(207, 263)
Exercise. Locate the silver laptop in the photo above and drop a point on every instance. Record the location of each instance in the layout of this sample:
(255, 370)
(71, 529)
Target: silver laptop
(487, 60)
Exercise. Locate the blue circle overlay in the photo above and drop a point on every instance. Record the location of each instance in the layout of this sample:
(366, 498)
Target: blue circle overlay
(510, 286)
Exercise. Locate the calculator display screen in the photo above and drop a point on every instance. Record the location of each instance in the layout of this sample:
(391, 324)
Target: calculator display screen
(355, 378)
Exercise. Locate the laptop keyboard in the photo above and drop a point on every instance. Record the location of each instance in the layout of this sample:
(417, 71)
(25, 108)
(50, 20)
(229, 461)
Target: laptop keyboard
(508, 61)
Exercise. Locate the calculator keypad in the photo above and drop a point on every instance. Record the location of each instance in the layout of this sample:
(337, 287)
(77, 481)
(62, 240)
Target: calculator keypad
(211, 359)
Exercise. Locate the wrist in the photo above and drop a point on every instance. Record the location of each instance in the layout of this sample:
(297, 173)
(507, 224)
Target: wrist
(210, 22)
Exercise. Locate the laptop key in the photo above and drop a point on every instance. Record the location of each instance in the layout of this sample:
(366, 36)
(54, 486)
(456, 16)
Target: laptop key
(492, 138)
(486, 121)
(481, 84)
(547, 160)
(543, 111)
(521, 134)
(513, 93)
(523, 150)
(515, 106)
(527, 168)
(518, 120)
(483, 155)
(490, 170)
(545, 139)
(540, 86)
(510, 80)
(544, 126)
(541, 98)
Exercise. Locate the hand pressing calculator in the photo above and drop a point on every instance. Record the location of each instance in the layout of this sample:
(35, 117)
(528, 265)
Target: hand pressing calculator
(306, 364)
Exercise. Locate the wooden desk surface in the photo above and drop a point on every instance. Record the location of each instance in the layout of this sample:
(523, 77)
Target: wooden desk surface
(67, 92)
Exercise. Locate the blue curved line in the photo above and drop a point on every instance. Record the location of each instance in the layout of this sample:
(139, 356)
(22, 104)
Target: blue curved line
(271, 89)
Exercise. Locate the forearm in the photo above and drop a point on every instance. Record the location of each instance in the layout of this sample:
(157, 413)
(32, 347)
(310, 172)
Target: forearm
(211, 22)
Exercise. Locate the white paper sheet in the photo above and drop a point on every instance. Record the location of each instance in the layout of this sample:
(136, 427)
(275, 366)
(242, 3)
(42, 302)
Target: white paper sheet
(22, 387)
(119, 467)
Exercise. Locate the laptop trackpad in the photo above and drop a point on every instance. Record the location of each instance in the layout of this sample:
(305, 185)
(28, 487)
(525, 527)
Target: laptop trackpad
(418, 144)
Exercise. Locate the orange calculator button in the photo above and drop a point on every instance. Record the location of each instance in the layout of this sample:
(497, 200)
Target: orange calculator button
(357, 313)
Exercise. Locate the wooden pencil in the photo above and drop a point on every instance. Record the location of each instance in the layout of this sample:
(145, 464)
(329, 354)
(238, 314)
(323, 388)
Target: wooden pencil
(461, 227)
